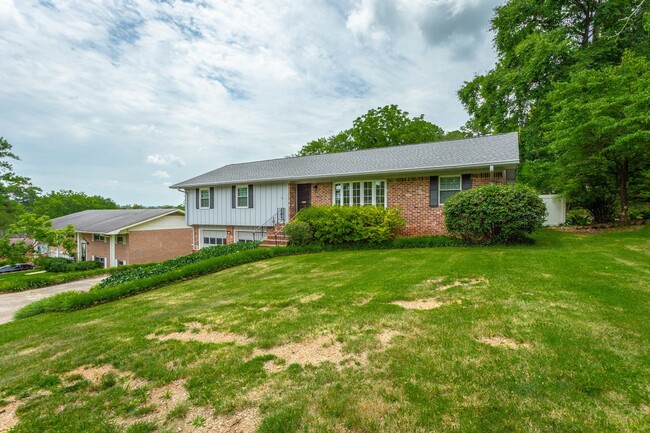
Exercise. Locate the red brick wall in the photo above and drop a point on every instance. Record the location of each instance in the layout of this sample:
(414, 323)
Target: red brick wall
(323, 194)
(97, 248)
(122, 251)
(412, 196)
(293, 199)
(158, 245)
(482, 179)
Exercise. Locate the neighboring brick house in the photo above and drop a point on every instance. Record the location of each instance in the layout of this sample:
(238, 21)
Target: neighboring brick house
(250, 201)
(118, 237)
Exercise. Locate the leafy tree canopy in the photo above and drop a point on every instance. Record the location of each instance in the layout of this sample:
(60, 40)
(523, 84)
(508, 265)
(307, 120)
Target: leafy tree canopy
(39, 228)
(539, 45)
(16, 191)
(602, 120)
(65, 202)
(380, 127)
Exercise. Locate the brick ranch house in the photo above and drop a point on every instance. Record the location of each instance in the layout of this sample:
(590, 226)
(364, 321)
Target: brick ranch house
(253, 200)
(117, 237)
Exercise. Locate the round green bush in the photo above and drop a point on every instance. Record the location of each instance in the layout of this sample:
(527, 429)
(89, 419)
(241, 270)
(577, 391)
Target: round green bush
(299, 233)
(495, 213)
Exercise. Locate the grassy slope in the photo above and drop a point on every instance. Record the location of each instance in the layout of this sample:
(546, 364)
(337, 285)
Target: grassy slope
(581, 302)
(20, 281)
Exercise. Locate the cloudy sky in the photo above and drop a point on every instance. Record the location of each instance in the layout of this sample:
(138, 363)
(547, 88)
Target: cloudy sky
(121, 98)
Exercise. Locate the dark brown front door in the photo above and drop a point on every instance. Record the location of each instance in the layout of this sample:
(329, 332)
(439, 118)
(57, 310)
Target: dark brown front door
(304, 195)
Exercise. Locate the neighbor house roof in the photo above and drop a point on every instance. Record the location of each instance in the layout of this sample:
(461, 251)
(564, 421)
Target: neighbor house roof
(111, 221)
(502, 149)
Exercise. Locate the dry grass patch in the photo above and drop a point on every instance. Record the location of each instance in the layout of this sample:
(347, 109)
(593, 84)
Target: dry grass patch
(202, 420)
(463, 282)
(386, 336)
(500, 341)
(8, 417)
(202, 333)
(94, 375)
(311, 298)
(315, 351)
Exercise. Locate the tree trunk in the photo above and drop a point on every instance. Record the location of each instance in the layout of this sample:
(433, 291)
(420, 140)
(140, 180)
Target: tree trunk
(622, 178)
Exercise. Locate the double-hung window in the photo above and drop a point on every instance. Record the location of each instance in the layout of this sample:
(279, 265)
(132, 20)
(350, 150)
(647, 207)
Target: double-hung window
(98, 238)
(449, 185)
(242, 196)
(205, 198)
(361, 193)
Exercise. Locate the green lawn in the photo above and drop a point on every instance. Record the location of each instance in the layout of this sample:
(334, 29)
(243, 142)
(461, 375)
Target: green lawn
(552, 337)
(20, 281)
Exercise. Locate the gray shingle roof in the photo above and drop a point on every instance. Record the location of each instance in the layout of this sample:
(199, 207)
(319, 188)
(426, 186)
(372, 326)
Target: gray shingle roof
(471, 152)
(109, 220)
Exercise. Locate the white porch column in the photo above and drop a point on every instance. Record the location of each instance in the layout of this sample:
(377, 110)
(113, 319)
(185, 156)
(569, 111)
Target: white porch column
(111, 256)
(78, 239)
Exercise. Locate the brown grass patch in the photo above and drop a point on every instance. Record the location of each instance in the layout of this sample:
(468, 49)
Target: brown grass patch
(315, 351)
(463, 282)
(8, 418)
(420, 304)
(94, 375)
(201, 333)
(272, 366)
(386, 336)
(311, 298)
(500, 341)
(243, 421)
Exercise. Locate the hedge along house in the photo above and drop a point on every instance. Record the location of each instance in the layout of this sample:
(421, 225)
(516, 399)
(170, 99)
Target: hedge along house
(117, 237)
(253, 200)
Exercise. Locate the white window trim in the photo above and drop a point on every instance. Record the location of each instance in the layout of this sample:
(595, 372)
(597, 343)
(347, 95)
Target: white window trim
(202, 236)
(117, 239)
(201, 198)
(236, 235)
(100, 257)
(460, 178)
(237, 187)
(122, 264)
(374, 192)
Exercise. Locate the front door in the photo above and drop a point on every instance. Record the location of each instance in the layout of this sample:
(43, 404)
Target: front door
(304, 195)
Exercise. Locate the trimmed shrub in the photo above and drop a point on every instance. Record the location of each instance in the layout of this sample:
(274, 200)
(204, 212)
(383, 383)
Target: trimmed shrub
(495, 213)
(299, 233)
(168, 265)
(59, 264)
(332, 225)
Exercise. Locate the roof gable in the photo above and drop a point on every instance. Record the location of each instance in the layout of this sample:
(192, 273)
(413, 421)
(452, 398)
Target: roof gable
(106, 221)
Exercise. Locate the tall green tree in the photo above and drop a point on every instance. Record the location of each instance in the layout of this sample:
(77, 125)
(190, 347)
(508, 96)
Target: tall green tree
(39, 228)
(65, 202)
(602, 120)
(380, 127)
(16, 191)
(539, 44)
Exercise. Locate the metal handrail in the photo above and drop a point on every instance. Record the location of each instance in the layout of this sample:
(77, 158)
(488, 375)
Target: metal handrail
(281, 231)
(277, 218)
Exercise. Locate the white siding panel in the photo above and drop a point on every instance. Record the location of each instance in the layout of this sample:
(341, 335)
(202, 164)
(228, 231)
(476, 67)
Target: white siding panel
(267, 198)
(556, 209)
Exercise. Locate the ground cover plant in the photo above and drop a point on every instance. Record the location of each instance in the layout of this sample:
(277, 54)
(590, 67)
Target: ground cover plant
(545, 337)
(34, 279)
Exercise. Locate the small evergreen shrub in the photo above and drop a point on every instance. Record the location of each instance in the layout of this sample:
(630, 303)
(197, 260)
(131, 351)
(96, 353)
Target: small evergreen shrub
(494, 213)
(59, 264)
(299, 233)
(332, 225)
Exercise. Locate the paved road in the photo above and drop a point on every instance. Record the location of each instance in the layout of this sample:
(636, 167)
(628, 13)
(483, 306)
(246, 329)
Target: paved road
(12, 302)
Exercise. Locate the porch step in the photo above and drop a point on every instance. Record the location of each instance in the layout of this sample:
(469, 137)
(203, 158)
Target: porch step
(272, 241)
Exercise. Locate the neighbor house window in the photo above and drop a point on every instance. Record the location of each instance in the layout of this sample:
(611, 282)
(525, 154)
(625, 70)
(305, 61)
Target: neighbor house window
(98, 238)
(242, 196)
(121, 263)
(365, 193)
(449, 185)
(121, 239)
(205, 198)
(214, 237)
(101, 260)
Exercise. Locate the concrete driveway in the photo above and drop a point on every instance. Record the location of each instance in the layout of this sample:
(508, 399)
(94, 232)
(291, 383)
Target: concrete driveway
(12, 302)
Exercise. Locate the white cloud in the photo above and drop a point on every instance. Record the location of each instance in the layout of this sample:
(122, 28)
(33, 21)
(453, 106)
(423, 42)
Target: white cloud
(167, 159)
(161, 174)
(107, 88)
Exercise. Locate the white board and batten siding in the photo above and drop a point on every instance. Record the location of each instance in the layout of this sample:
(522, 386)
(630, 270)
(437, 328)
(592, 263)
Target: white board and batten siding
(556, 209)
(267, 198)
